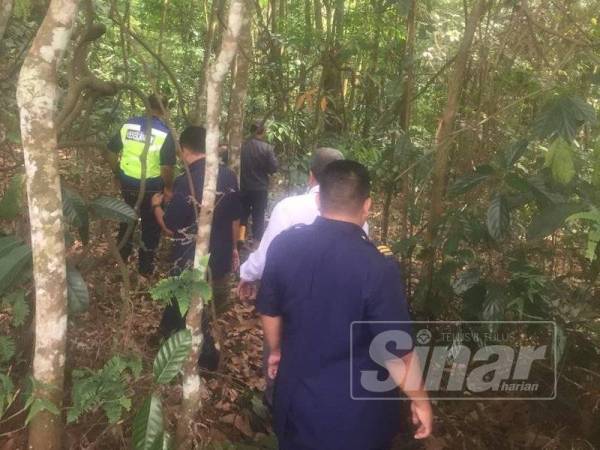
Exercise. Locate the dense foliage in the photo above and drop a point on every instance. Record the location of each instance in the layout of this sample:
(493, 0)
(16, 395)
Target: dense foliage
(520, 231)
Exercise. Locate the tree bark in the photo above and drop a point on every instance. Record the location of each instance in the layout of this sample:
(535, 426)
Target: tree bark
(218, 70)
(238, 94)
(405, 118)
(37, 94)
(6, 7)
(444, 137)
(216, 10)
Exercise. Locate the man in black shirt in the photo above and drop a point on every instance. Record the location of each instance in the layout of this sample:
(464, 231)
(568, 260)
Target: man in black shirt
(258, 162)
(179, 221)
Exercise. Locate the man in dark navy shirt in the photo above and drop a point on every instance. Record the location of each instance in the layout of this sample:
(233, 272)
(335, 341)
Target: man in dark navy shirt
(124, 156)
(257, 164)
(179, 221)
(318, 280)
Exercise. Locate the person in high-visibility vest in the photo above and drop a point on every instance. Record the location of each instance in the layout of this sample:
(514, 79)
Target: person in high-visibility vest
(124, 154)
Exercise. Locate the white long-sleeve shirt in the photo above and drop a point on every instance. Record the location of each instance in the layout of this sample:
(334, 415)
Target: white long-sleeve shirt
(294, 210)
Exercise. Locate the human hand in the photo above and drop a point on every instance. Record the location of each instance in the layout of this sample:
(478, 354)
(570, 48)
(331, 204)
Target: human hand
(273, 363)
(167, 195)
(235, 260)
(157, 200)
(422, 418)
(246, 290)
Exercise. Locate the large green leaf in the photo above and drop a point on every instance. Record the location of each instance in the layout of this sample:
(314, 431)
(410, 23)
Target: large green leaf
(76, 213)
(498, 217)
(562, 116)
(7, 243)
(148, 424)
(465, 281)
(12, 201)
(12, 264)
(514, 152)
(495, 302)
(552, 218)
(113, 209)
(171, 356)
(77, 291)
(467, 182)
(560, 161)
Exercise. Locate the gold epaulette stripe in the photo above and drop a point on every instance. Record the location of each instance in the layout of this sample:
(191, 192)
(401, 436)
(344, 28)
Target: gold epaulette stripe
(385, 250)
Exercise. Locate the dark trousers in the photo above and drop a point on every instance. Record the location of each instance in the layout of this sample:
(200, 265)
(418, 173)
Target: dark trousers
(172, 321)
(254, 203)
(150, 230)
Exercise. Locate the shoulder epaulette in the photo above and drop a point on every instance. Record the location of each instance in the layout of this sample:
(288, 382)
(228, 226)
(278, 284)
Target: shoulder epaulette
(385, 250)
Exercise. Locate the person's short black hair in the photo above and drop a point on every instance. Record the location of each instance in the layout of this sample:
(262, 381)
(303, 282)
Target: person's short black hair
(156, 100)
(194, 139)
(321, 158)
(257, 127)
(344, 187)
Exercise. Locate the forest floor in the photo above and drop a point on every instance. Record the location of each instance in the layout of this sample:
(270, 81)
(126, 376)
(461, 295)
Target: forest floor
(233, 415)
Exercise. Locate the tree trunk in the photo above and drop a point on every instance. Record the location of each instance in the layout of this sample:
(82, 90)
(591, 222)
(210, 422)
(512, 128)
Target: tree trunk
(37, 94)
(6, 7)
(405, 118)
(444, 138)
(215, 12)
(238, 94)
(191, 379)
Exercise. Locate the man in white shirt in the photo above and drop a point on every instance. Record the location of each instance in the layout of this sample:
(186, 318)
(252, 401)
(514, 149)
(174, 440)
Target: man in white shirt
(294, 210)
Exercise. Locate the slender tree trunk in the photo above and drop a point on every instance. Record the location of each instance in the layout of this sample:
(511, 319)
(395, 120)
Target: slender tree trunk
(6, 7)
(318, 18)
(238, 94)
(163, 23)
(215, 12)
(191, 379)
(405, 118)
(444, 139)
(37, 94)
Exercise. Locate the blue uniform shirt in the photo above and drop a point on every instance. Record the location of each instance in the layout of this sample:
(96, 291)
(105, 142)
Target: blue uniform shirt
(181, 219)
(320, 278)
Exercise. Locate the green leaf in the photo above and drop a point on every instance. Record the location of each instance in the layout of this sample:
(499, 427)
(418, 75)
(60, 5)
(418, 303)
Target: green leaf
(76, 213)
(7, 393)
(465, 281)
(162, 442)
(148, 424)
(77, 291)
(596, 167)
(41, 404)
(12, 201)
(7, 349)
(12, 264)
(183, 288)
(494, 305)
(592, 243)
(106, 389)
(467, 182)
(113, 209)
(7, 243)
(514, 152)
(552, 218)
(562, 116)
(18, 305)
(498, 217)
(560, 161)
(171, 356)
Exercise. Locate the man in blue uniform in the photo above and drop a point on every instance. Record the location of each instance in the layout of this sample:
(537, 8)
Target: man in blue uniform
(179, 221)
(129, 143)
(318, 280)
